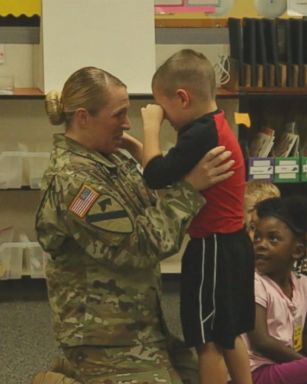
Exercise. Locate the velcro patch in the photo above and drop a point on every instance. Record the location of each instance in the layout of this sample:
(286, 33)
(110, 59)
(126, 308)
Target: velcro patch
(83, 201)
(108, 214)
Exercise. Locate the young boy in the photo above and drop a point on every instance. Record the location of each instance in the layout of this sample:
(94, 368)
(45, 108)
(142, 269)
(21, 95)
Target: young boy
(217, 294)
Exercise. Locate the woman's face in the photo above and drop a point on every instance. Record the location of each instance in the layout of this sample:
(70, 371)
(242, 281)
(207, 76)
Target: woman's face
(107, 126)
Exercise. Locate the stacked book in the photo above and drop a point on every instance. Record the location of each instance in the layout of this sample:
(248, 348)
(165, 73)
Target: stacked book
(268, 52)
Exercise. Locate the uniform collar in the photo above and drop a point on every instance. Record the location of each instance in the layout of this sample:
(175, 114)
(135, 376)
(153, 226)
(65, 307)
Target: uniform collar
(62, 142)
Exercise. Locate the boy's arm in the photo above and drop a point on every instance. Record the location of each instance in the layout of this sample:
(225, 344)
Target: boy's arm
(152, 118)
(266, 345)
(191, 146)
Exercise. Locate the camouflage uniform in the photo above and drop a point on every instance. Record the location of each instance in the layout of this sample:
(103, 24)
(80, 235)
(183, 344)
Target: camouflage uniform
(106, 234)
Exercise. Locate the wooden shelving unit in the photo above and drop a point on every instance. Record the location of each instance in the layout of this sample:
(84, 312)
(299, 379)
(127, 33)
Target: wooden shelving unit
(24, 93)
(167, 21)
(269, 91)
(35, 93)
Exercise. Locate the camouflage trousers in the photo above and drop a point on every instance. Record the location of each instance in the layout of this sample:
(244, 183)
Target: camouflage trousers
(155, 363)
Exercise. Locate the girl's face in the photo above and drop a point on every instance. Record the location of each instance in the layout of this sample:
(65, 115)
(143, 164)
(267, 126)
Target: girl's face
(276, 247)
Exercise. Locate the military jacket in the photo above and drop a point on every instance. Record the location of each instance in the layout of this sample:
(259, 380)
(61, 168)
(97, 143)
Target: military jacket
(106, 233)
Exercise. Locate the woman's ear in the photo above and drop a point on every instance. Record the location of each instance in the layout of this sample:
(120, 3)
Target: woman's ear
(81, 116)
(184, 97)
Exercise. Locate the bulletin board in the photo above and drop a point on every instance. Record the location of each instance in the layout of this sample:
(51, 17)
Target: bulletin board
(20, 7)
(240, 9)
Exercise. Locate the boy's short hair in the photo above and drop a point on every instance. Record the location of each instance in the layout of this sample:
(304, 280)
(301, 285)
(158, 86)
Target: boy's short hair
(186, 69)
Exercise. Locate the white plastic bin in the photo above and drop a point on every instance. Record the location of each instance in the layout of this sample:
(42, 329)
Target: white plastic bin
(35, 260)
(11, 257)
(38, 162)
(11, 169)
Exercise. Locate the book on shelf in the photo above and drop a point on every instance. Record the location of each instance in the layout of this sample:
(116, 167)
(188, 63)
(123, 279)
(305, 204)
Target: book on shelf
(263, 143)
(288, 143)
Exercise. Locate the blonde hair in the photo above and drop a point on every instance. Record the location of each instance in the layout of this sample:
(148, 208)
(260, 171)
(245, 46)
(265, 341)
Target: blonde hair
(86, 88)
(257, 190)
(186, 68)
(261, 189)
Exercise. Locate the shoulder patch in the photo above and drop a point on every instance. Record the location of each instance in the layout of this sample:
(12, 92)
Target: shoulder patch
(108, 214)
(83, 201)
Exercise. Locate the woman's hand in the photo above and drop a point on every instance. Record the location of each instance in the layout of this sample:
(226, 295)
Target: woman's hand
(132, 145)
(211, 169)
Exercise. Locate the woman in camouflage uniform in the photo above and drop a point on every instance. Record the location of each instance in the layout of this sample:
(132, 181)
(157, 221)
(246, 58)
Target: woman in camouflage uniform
(106, 233)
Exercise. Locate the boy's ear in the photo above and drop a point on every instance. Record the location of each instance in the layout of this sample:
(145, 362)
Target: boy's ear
(299, 250)
(184, 96)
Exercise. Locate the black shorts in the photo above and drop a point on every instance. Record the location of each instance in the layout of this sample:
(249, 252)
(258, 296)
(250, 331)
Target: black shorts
(217, 289)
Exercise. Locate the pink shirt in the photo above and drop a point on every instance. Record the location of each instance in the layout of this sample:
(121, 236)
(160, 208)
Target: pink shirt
(285, 317)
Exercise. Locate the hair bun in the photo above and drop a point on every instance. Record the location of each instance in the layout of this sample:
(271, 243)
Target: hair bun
(55, 108)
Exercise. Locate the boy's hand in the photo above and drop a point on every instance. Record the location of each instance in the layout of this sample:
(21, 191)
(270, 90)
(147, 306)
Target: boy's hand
(153, 116)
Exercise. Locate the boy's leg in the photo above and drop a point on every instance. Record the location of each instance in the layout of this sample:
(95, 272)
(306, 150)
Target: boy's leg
(294, 372)
(212, 368)
(238, 363)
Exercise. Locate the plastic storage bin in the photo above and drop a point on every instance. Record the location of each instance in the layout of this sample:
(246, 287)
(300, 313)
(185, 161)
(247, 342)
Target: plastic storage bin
(11, 257)
(11, 169)
(38, 162)
(35, 260)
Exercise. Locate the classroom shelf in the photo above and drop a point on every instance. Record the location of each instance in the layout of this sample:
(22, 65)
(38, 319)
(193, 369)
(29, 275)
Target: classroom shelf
(24, 93)
(222, 93)
(167, 21)
(35, 93)
(273, 91)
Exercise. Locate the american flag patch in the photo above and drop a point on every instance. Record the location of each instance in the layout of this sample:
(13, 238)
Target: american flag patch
(84, 201)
